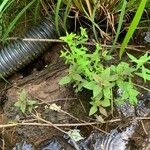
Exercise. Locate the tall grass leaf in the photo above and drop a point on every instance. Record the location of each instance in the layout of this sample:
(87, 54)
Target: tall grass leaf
(89, 7)
(67, 10)
(148, 5)
(4, 3)
(12, 24)
(1, 77)
(93, 19)
(36, 13)
(95, 25)
(78, 4)
(6, 6)
(120, 22)
(1, 15)
(57, 16)
(133, 26)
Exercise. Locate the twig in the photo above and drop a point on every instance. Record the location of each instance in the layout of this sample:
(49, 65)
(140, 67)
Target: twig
(56, 127)
(49, 124)
(143, 127)
(142, 87)
(142, 118)
(82, 106)
(52, 101)
(77, 119)
(132, 47)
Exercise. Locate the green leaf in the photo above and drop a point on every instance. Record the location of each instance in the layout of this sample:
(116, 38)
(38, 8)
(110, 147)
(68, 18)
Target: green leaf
(17, 104)
(84, 33)
(96, 90)
(113, 77)
(106, 56)
(23, 95)
(31, 102)
(107, 93)
(65, 80)
(23, 108)
(133, 26)
(133, 96)
(105, 102)
(93, 110)
(129, 93)
(125, 95)
(134, 59)
(88, 85)
(119, 100)
(75, 135)
(121, 20)
(106, 74)
(30, 108)
(141, 61)
(12, 24)
(145, 76)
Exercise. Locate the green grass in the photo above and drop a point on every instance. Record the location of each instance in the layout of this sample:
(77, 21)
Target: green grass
(14, 12)
(121, 19)
(67, 10)
(37, 9)
(133, 26)
(58, 6)
(14, 21)
(3, 7)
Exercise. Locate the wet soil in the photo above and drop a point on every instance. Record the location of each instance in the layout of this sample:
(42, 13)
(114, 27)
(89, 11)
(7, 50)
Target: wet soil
(41, 86)
(40, 79)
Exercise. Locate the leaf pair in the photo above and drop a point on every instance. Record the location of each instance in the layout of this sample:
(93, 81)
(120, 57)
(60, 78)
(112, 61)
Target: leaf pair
(142, 71)
(23, 103)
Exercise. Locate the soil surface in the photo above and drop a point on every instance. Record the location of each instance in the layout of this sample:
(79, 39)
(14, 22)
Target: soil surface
(41, 127)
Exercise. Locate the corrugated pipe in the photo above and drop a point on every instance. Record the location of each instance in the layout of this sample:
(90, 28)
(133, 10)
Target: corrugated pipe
(19, 53)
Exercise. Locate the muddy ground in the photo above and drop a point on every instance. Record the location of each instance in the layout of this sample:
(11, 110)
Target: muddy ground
(40, 80)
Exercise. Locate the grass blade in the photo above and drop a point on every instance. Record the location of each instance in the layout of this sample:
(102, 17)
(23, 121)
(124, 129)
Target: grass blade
(10, 27)
(67, 10)
(57, 16)
(4, 3)
(120, 22)
(36, 13)
(133, 26)
(6, 6)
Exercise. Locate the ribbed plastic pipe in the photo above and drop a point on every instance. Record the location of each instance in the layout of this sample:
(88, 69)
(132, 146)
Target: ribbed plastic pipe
(20, 53)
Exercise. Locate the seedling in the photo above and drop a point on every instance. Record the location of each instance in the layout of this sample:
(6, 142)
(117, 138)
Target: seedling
(24, 104)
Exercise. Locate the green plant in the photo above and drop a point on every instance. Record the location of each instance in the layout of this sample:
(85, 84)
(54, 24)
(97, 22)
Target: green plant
(23, 103)
(75, 135)
(87, 70)
(133, 26)
(120, 22)
(142, 71)
(3, 7)
(12, 12)
(14, 21)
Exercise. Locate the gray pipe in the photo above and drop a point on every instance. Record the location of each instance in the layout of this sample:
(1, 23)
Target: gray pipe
(19, 53)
